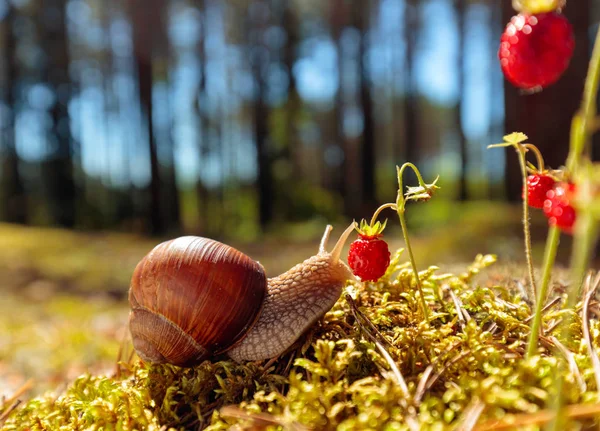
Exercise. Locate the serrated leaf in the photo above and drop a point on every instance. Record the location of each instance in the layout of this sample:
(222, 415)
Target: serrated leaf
(422, 193)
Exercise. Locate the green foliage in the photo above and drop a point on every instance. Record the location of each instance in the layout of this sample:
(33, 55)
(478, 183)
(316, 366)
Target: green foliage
(472, 353)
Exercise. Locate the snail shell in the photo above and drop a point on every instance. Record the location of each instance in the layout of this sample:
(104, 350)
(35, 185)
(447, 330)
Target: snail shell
(193, 297)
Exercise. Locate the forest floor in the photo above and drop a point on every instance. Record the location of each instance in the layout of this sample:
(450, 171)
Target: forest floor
(63, 307)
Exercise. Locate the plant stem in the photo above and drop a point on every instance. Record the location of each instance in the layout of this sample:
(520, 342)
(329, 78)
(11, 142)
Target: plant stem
(580, 129)
(586, 234)
(586, 229)
(381, 208)
(412, 262)
(585, 119)
(526, 228)
(415, 170)
(591, 83)
(549, 256)
(400, 209)
(540, 159)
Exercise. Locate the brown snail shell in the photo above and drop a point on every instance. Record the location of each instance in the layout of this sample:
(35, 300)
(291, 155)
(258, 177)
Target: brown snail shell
(193, 297)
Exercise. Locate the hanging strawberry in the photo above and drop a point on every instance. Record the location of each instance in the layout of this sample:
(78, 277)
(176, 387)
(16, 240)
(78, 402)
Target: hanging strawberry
(558, 207)
(369, 255)
(535, 49)
(538, 185)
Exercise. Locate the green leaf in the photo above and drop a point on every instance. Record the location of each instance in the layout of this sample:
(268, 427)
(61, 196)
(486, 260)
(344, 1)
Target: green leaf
(512, 140)
(422, 193)
(515, 138)
(374, 230)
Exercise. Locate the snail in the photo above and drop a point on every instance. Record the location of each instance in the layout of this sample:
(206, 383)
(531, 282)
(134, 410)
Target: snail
(192, 298)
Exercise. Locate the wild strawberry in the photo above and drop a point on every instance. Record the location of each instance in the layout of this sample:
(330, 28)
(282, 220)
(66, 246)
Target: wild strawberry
(537, 187)
(535, 50)
(558, 207)
(369, 256)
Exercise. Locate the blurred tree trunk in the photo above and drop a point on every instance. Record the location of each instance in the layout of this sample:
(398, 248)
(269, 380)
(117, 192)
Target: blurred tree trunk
(338, 19)
(161, 60)
(496, 109)
(368, 148)
(203, 144)
(14, 207)
(57, 171)
(218, 150)
(144, 20)
(121, 208)
(290, 24)
(261, 131)
(464, 150)
(107, 196)
(411, 126)
(259, 61)
(546, 116)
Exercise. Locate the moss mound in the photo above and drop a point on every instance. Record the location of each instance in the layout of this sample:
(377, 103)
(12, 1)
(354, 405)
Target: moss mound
(371, 363)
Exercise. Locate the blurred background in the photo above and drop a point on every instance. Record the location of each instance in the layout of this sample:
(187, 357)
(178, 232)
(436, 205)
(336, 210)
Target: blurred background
(232, 118)
(125, 122)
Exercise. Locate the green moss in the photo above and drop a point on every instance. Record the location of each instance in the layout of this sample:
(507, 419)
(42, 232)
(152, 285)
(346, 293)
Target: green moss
(470, 357)
(90, 403)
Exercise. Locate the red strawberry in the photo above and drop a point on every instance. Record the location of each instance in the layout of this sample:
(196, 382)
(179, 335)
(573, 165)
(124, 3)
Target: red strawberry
(537, 187)
(558, 207)
(535, 50)
(369, 256)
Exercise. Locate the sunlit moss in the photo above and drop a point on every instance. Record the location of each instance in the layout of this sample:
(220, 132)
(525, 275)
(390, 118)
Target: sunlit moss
(56, 339)
(469, 358)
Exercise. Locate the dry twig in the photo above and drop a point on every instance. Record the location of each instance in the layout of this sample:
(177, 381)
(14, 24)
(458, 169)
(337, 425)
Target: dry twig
(470, 416)
(13, 401)
(590, 290)
(463, 315)
(572, 364)
(260, 420)
(365, 324)
(546, 308)
(423, 382)
(578, 411)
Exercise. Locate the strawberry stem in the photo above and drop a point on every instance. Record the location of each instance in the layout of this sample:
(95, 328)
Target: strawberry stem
(549, 257)
(526, 225)
(538, 156)
(380, 209)
(400, 209)
(515, 140)
(585, 236)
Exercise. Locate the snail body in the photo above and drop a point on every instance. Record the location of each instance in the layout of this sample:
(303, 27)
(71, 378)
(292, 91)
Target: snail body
(195, 297)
